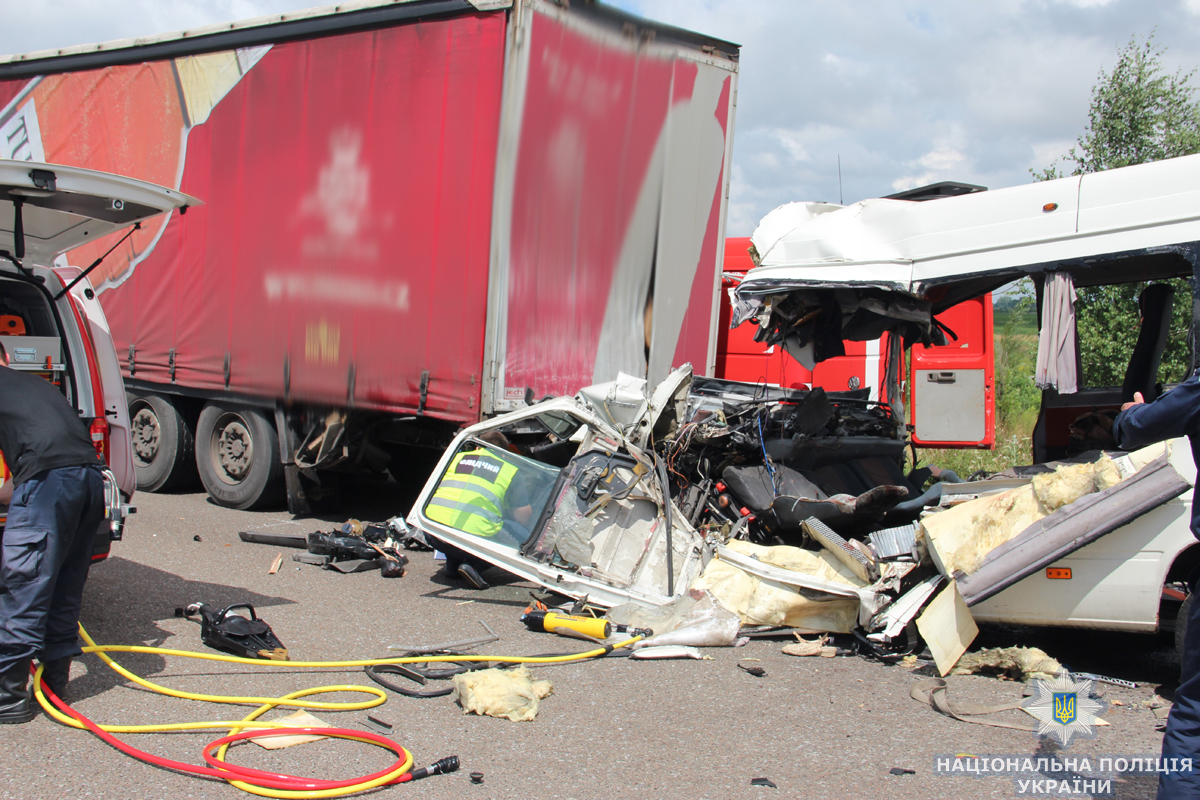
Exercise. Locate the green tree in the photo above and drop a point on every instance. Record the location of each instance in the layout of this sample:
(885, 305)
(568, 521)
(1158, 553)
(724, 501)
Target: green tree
(1139, 113)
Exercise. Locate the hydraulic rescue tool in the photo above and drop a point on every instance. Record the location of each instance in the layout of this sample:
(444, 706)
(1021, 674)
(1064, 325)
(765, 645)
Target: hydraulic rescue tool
(576, 626)
(233, 633)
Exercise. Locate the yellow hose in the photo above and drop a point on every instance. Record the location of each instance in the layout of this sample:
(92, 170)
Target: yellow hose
(291, 699)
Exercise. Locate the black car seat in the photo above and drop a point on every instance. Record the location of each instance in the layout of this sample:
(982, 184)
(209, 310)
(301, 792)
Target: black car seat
(1155, 303)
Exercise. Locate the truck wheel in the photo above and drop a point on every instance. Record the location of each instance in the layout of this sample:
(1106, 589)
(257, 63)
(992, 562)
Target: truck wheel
(163, 444)
(1181, 623)
(237, 455)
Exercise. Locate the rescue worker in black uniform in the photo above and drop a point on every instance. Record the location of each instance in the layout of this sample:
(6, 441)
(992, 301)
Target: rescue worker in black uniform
(1174, 414)
(56, 509)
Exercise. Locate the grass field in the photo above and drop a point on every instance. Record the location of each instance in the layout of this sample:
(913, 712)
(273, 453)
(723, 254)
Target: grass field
(1017, 401)
(1019, 322)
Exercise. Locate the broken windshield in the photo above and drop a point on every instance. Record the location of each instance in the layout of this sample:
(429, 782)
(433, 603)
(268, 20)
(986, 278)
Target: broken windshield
(493, 493)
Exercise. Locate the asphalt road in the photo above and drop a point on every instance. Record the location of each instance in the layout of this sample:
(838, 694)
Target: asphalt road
(616, 728)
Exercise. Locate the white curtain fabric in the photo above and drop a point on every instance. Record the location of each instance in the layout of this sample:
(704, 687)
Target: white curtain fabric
(1056, 364)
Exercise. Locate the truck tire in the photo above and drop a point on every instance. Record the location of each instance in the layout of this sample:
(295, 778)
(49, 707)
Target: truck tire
(163, 444)
(237, 455)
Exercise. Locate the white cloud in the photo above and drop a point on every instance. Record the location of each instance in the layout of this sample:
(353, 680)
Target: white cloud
(742, 216)
(1044, 153)
(791, 143)
(946, 161)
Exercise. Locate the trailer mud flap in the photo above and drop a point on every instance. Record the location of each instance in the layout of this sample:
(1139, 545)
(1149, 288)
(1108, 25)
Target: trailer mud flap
(1071, 527)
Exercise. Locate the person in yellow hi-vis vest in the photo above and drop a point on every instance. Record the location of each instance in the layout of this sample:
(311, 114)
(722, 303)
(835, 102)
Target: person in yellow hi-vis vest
(484, 495)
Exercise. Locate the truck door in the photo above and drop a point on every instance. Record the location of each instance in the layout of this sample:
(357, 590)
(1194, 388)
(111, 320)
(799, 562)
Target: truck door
(953, 400)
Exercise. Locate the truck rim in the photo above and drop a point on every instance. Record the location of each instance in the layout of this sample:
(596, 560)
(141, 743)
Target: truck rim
(232, 448)
(145, 432)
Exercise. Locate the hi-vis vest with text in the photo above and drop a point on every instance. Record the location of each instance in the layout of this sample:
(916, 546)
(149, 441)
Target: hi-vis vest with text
(470, 496)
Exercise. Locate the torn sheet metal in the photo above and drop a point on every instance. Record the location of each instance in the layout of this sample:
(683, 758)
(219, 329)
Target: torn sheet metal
(894, 543)
(960, 538)
(891, 621)
(813, 325)
(859, 563)
(947, 628)
(1073, 527)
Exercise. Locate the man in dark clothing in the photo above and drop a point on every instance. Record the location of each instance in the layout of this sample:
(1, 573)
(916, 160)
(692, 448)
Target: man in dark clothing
(57, 507)
(1175, 414)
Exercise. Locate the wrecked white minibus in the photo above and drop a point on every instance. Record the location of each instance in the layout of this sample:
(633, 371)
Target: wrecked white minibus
(791, 506)
(1114, 560)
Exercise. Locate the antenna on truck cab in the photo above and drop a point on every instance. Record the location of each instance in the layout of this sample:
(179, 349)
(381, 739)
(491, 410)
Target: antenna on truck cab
(840, 202)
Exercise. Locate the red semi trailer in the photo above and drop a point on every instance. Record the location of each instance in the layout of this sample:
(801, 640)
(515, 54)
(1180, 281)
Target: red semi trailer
(416, 214)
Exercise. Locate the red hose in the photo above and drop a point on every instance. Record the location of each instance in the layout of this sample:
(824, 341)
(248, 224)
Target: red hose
(249, 775)
(228, 772)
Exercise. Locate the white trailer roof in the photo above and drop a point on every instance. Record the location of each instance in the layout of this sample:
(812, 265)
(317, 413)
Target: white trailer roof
(910, 246)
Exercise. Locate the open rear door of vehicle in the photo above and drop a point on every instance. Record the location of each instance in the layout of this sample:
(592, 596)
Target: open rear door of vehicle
(953, 385)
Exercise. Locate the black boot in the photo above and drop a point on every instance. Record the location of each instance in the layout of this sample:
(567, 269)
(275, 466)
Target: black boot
(14, 694)
(55, 675)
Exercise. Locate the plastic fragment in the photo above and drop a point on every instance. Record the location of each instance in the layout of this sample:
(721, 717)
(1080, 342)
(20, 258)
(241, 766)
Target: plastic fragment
(669, 651)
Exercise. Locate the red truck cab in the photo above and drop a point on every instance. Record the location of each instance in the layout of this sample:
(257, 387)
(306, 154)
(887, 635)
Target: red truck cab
(944, 378)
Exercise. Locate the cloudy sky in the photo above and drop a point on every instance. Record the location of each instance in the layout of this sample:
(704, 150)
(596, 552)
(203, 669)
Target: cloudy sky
(904, 92)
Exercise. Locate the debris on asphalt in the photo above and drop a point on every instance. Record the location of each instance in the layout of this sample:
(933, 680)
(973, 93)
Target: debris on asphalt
(947, 627)
(668, 651)
(933, 692)
(1161, 711)
(1010, 663)
(476, 777)
(902, 771)
(1091, 676)
(351, 565)
(355, 547)
(810, 647)
(504, 693)
(707, 623)
(276, 564)
(379, 724)
(299, 719)
(763, 782)
(757, 672)
(449, 647)
(297, 540)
